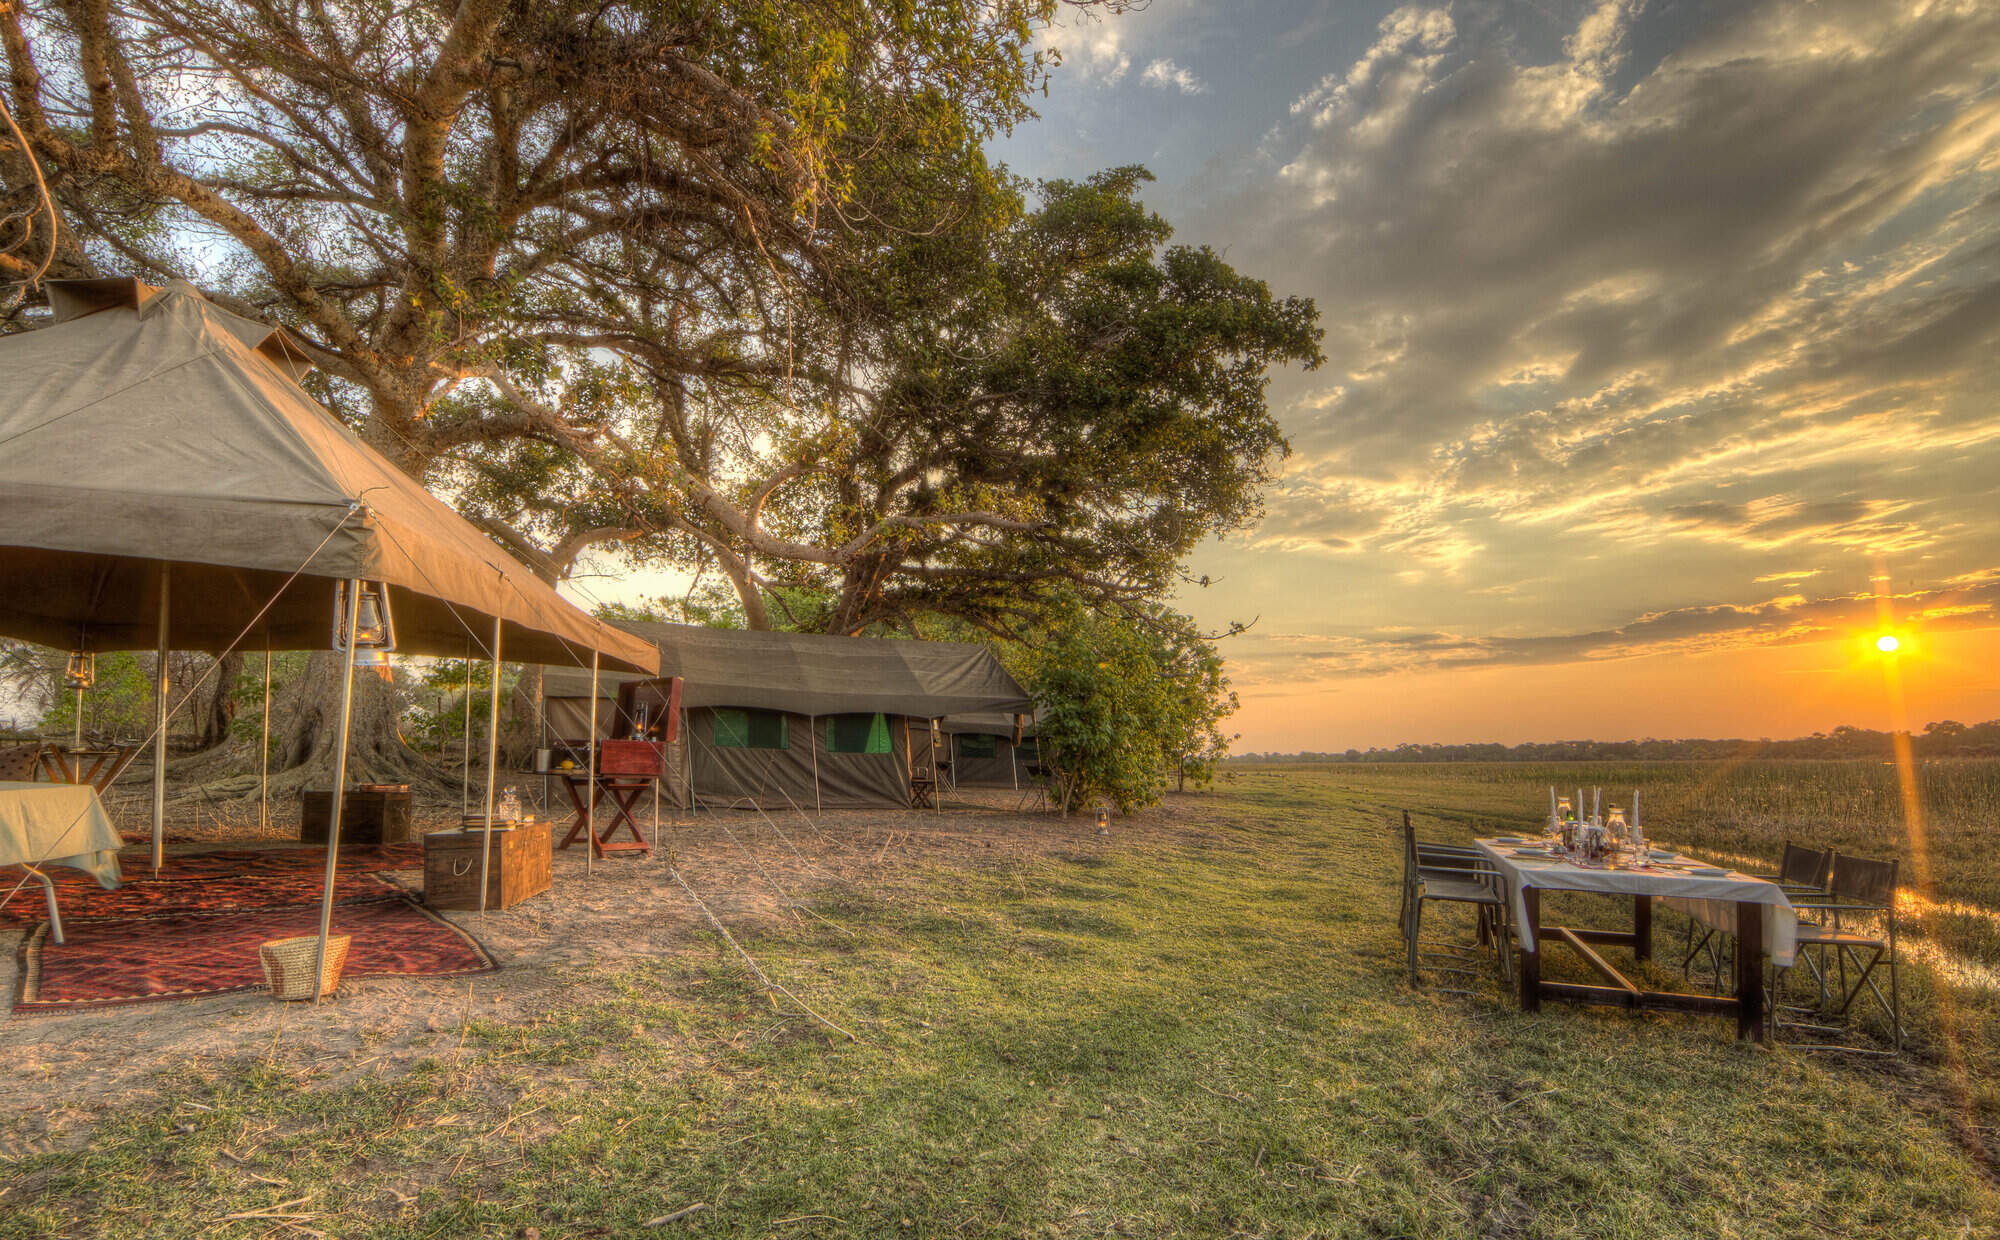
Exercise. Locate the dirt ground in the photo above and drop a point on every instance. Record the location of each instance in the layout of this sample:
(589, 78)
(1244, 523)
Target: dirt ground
(67, 1067)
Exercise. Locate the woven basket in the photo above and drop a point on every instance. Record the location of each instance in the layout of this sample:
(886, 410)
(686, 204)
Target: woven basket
(288, 965)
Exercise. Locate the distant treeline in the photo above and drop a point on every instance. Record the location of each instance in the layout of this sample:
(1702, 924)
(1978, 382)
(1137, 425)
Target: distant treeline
(1946, 738)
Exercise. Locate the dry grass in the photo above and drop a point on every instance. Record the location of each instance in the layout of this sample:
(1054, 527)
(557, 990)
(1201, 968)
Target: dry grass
(1194, 1026)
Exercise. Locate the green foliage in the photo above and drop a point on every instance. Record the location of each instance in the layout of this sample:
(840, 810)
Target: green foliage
(1092, 394)
(436, 713)
(1122, 705)
(286, 669)
(120, 703)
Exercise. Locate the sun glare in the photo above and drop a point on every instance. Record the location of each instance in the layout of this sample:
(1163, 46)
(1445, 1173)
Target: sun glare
(1888, 643)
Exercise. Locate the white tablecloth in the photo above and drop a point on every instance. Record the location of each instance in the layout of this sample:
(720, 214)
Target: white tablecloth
(1711, 900)
(58, 824)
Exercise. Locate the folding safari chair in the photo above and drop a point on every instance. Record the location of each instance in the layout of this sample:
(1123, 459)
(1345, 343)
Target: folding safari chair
(1451, 874)
(1853, 926)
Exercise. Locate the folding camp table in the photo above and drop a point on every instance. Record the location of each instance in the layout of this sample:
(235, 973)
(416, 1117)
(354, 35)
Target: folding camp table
(625, 771)
(621, 793)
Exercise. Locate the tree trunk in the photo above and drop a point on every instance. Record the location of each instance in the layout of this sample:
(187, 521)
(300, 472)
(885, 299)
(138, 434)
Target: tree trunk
(752, 598)
(305, 731)
(213, 707)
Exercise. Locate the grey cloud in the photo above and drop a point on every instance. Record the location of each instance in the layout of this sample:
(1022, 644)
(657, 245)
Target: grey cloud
(1470, 213)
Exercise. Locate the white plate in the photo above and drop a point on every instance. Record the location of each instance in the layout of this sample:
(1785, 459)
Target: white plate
(1511, 839)
(1534, 852)
(1707, 871)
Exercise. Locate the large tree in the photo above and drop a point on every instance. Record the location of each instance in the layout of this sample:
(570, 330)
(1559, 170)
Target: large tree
(1054, 399)
(443, 197)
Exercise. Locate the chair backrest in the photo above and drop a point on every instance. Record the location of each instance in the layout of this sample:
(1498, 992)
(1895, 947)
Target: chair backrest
(1409, 849)
(1805, 867)
(20, 763)
(1863, 881)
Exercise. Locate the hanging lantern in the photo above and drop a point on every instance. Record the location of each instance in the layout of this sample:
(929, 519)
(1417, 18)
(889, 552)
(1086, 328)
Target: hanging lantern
(81, 671)
(374, 626)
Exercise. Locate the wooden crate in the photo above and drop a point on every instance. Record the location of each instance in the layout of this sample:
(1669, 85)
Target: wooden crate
(367, 816)
(518, 868)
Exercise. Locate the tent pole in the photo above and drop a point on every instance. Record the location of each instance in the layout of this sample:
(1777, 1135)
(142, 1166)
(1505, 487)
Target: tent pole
(348, 624)
(590, 769)
(264, 771)
(465, 767)
(160, 723)
(492, 762)
(817, 809)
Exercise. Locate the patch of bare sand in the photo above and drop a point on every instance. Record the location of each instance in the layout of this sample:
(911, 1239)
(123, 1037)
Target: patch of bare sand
(70, 1067)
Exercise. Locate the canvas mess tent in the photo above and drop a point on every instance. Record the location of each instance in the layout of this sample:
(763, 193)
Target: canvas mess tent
(984, 751)
(783, 719)
(150, 428)
(166, 483)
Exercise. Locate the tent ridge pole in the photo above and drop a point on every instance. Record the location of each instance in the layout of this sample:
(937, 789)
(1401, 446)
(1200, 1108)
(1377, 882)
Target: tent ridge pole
(349, 623)
(492, 762)
(160, 722)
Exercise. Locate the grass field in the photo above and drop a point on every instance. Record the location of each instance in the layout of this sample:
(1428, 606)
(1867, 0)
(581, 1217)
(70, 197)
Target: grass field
(1197, 1029)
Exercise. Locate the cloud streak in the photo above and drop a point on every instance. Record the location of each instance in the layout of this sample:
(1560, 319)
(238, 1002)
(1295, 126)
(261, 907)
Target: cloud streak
(1789, 619)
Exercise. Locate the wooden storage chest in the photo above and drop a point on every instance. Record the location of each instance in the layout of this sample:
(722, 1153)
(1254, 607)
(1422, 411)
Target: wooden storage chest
(368, 815)
(629, 758)
(518, 868)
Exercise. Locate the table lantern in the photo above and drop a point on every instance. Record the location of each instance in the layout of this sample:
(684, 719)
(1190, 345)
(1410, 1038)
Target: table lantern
(81, 671)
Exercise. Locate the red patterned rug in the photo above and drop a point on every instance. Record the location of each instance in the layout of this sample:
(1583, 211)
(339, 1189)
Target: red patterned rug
(193, 930)
(110, 961)
(233, 878)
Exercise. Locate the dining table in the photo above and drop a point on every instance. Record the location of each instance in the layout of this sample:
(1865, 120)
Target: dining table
(1755, 911)
(56, 824)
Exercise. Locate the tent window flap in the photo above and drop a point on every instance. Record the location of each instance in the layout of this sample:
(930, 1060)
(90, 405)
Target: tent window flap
(750, 729)
(978, 745)
(857, 734)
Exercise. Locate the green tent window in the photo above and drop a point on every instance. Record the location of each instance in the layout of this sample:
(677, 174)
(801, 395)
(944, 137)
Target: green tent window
(857, 734)
(978, 745)
(750, 729)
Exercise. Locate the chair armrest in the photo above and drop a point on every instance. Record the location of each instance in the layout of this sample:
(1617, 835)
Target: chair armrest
(1840, 906)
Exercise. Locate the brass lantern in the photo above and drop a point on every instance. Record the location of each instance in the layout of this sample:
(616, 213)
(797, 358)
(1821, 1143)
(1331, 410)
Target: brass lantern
(80, 672)
(374, 625)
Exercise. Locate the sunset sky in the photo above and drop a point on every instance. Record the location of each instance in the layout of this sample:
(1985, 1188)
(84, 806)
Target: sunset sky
(1657, 331)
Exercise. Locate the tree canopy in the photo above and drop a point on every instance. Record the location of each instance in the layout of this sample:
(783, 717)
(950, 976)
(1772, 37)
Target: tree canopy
(722, 285)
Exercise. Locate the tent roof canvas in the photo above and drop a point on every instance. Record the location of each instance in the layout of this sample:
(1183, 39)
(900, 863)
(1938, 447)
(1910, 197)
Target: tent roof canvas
(814, 674)
(151, 425)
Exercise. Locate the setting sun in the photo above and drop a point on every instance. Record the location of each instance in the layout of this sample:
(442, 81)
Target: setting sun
(1888, 643)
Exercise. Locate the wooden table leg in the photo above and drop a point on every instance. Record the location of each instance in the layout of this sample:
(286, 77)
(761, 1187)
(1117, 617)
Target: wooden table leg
(1749, 970)
(1531, 961)
(580, 824)
(1642, 927)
